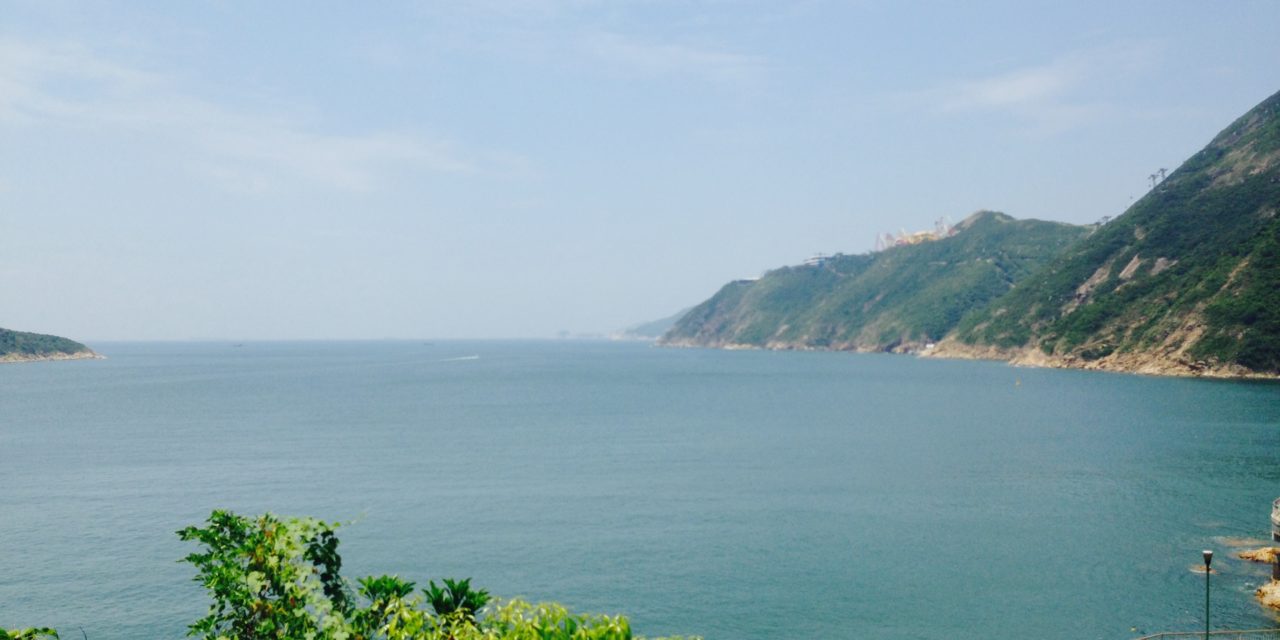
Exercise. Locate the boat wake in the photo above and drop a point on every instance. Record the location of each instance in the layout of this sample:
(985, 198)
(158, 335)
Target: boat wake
(460, 358)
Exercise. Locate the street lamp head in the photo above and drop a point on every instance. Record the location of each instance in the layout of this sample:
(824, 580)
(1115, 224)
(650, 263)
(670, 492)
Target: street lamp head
(1208, 557)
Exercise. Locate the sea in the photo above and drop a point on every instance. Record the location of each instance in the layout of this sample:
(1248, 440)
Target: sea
(725, 494)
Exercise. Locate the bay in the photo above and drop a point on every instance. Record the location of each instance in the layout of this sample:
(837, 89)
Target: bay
(726, 494)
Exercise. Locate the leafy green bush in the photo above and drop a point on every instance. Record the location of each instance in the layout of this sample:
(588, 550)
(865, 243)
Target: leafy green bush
(519, 620)
(269, 578)
(456, 596)
(27, 634)
(278, 578)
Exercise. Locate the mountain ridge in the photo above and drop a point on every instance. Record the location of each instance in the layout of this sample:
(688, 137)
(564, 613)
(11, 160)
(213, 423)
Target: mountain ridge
(899, 300)
(1185, 282)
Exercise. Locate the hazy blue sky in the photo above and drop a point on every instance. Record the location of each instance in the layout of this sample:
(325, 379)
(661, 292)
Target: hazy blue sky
(243, 170)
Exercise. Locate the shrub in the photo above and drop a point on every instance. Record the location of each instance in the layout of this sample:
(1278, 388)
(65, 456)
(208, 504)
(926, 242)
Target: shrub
(279, 578)
(28, 634)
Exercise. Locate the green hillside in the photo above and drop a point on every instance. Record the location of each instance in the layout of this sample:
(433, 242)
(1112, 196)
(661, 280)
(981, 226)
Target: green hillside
(1187, 280)
(895, 300)
(19, 345)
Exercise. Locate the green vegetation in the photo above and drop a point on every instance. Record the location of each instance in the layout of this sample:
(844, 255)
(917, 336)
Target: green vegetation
(34, 345)
(27, 634)
(1190, 273)
(897, 299)
(456, 597)
(280, 578)
(1188, 277)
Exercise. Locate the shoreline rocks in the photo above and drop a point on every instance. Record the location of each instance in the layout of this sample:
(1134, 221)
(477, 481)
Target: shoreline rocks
(1265, 555)
(15, 358)
(1269, 594)
(951, 349)
(1134, 363)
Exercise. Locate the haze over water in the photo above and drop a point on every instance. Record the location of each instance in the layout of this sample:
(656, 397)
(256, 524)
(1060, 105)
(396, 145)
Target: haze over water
(727, 494)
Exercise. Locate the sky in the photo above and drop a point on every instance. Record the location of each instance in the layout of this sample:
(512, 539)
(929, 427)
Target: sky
(485, 169)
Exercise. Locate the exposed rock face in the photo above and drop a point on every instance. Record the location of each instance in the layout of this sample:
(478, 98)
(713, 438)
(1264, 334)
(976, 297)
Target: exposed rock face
(11, 358)
(1265, 555)
(1269, 594)
(1186, 282)
(1155, 364)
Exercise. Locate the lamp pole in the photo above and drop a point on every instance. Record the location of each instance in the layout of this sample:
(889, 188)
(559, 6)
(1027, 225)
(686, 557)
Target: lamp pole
(1208, 558)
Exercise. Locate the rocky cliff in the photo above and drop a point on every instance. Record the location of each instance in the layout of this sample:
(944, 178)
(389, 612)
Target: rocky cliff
(1187, 281)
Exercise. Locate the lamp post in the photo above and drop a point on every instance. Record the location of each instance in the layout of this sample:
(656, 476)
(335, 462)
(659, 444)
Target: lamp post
(1208, 558)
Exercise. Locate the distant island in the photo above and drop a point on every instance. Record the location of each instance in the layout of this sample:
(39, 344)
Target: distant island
(649, 331)
(1185, 282)
(20, 346)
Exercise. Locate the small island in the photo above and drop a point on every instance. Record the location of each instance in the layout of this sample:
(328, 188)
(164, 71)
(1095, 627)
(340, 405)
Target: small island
(20, 346)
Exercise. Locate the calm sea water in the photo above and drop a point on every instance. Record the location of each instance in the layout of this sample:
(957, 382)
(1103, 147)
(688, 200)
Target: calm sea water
(728, 494)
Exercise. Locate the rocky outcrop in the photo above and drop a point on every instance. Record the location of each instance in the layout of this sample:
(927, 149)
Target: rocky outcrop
(1265, 555)
(1144, 363)
(12, 358)
(1269, 594)
(21, 346)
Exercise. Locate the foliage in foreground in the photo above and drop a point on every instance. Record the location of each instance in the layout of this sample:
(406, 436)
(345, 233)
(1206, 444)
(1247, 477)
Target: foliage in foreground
(279, 578)
(28, 634)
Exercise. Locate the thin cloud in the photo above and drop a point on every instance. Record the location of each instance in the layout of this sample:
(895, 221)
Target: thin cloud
(70, 85)
(1051, 98)
(662, 58)
(1019, 88)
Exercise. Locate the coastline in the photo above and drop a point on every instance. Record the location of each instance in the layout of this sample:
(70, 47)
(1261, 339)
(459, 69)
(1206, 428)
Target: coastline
(1149, 364)
(951, 349)
(16, 358)
(901, 348)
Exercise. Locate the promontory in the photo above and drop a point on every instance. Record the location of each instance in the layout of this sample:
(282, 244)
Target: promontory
(20, 346)
(1185, 282)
